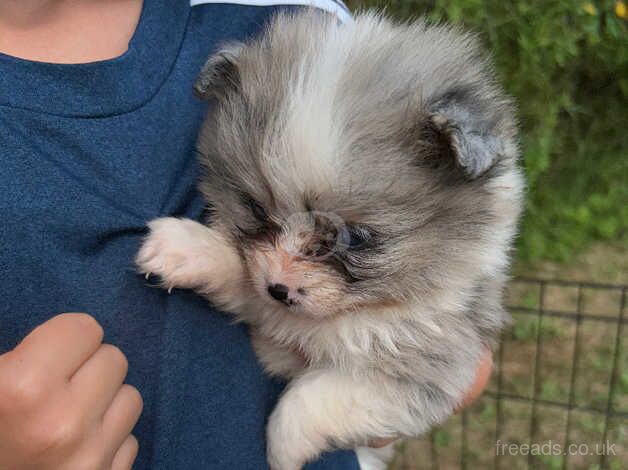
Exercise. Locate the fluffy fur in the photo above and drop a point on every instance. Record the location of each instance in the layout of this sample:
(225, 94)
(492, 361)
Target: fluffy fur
(366, 173)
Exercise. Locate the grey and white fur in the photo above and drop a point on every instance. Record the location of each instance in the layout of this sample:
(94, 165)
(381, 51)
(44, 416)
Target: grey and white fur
(364, 193)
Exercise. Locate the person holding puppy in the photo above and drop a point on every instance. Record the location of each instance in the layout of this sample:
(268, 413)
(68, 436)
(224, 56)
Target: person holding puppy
(98, 125)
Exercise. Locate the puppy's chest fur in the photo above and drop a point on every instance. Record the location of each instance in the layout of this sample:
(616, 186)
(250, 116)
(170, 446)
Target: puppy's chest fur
(406, 342)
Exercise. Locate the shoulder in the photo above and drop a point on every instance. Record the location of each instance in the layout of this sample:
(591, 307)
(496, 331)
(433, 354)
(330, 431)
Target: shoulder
(213, 23)
(335, 7)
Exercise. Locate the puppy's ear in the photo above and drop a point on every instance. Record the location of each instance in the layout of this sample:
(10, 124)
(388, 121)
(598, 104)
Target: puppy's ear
(220, 73)
(463, 131)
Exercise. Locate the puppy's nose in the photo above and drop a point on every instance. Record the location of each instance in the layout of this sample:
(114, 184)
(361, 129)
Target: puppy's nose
(278, 292)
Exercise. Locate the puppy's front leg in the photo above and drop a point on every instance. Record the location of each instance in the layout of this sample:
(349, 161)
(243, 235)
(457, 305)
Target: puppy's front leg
(189, 255)
(322, 408)
(277, 360)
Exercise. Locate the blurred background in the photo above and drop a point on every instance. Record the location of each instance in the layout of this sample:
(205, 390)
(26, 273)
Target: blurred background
(562, 369)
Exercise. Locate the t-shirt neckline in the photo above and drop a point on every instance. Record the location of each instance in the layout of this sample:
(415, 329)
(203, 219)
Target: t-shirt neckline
(101, 88)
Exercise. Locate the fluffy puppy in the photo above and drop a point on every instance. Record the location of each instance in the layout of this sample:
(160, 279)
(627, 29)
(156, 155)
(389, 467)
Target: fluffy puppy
(364, 192)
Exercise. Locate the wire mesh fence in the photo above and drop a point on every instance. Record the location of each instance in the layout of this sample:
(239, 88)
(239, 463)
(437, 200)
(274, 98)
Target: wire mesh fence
(559, 396)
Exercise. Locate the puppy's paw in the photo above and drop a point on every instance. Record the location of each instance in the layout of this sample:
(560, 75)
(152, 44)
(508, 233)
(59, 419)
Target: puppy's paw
(280, 456)
(176, 251)
(289, 447)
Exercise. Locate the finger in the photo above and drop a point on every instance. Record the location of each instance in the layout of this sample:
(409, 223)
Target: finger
(98, 381)
(124, 458)
(121, 417)
(61, 345)
(482, 376)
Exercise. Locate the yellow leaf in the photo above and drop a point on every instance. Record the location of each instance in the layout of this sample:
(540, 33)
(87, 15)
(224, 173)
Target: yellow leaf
(621, 10)
(590, 8)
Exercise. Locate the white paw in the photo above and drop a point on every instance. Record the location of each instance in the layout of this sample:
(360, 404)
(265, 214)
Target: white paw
(288, 446)
(171, 251)
(279, 457)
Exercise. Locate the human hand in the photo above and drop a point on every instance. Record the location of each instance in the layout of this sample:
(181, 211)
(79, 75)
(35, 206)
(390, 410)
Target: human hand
(482, 376)
(63, 404)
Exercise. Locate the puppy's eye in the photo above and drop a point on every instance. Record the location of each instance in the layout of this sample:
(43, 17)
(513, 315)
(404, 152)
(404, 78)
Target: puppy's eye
(258, 211)
(354, 237)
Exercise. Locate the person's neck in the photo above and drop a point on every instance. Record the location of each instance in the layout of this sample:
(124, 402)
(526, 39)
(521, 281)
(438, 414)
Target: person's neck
(67, 31)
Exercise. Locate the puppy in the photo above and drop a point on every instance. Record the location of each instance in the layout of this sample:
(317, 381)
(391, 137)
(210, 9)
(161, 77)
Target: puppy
(364, 192)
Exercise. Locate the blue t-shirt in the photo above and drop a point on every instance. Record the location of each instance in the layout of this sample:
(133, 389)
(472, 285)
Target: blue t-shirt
(88, 154)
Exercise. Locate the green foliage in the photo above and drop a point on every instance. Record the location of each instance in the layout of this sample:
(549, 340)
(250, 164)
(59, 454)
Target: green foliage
(551, 462)
(623, 383)
(526, 328)
(566, 63)
(442, 438)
